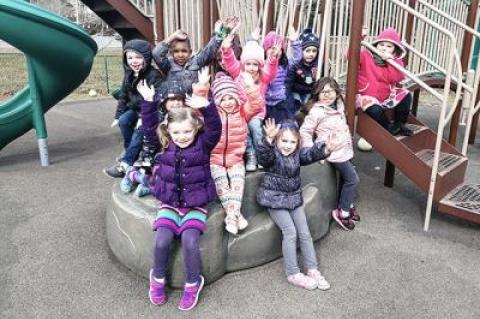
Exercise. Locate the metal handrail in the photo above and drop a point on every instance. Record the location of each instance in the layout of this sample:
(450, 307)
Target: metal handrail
(146, 9)
(441, 124)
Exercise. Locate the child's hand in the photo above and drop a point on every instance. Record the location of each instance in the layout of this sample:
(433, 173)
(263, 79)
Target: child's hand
(271, 130)
(177, 35)
(333, 142)
(231, 22)
(146, 91)
(255, 35)
(292, 34)
(227, 42)
(196, 102)
(204, 76)
(114, 123)
(139, 123)
(247, 79)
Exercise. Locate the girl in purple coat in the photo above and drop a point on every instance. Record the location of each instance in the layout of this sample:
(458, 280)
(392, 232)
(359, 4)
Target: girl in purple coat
(182, 182)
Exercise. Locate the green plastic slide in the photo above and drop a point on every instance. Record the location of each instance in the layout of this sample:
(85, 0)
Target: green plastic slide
(59, 57)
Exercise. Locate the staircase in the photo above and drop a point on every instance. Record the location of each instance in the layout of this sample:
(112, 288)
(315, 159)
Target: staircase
(413, 155)
(124, 17)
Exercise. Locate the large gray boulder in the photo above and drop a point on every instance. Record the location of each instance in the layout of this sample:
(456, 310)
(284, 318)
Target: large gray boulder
(130, 235)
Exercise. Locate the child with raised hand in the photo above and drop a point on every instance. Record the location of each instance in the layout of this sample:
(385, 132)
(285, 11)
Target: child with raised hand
(302, 75)
(174, 56)
(226, 161)
(326, 114)
(377, 83)
(183, 185)
(263, 72)
(137, 57)
(280, 192)
(138, 176)
(279, 103)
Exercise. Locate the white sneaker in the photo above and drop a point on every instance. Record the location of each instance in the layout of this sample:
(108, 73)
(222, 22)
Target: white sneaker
(251, 165)
(302, 281)
(322, 283)
(242, 222)
(231, 225)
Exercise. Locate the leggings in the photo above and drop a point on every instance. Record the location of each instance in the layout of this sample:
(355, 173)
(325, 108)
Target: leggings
(191, 253)
(402, 110)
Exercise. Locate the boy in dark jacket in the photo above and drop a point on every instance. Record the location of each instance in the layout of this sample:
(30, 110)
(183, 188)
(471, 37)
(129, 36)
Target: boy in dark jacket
(301, 77)
(137, 57)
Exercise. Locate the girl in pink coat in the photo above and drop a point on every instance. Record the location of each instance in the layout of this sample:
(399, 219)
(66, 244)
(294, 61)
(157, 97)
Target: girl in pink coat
(235, 107)
(252, 61)
(377, 88)
(326, 118)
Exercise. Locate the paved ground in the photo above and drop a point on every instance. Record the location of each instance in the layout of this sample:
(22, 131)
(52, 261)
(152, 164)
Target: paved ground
(55, 262)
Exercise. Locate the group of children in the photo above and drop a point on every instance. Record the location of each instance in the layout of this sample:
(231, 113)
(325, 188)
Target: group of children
(188, 141)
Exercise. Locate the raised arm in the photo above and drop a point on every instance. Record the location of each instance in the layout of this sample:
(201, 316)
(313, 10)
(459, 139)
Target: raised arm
(160, 56)
(255, 100)
(230, 62)
(213, 126)
(208, 53)
(149, 112)
(309, 155)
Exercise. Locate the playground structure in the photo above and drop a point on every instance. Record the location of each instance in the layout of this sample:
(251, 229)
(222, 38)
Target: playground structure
(440, 36)
(44, 37)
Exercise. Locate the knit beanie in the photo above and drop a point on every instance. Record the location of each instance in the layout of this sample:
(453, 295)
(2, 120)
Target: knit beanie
(225, 85)
(253, 51)
(270, 40)
(391, 35)
(309, 39)
(173, 89)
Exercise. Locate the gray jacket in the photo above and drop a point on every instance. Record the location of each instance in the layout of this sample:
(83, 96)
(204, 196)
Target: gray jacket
(186, 74)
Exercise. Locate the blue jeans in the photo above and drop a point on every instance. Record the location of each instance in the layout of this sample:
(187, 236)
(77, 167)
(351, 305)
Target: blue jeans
(134, 148)
(348, 184)
(254, 135)
(127, 122)
(293, 224)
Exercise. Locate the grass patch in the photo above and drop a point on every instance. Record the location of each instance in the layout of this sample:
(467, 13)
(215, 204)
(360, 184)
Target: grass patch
(14, 76)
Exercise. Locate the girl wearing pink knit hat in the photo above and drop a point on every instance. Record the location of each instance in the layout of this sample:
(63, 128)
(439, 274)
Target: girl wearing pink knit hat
(377, 83)
(262, 71)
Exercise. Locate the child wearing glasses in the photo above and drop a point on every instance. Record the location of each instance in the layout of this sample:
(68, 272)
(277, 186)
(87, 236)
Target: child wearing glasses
(326, 115)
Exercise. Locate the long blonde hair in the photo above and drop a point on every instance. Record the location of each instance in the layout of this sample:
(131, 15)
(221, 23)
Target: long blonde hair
(177, 115)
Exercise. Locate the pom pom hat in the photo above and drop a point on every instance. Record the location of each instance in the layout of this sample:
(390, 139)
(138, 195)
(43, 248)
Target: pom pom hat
(309, 39)
(225, 85)
(253, 51)
(270, 40)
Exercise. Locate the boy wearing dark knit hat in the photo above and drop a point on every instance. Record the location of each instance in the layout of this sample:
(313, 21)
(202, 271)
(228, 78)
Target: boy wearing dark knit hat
(301, 77)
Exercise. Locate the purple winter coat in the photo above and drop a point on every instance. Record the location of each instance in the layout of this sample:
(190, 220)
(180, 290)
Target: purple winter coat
(182, 177)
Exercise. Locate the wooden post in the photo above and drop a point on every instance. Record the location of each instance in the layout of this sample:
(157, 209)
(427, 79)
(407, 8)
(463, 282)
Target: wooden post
(206, 32)
(159, 20)
(354, 60)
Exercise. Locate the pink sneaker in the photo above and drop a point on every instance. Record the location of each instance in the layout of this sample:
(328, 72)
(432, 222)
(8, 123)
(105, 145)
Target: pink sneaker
(157, 291)
(345, 223)
(322, 283)
(302, 281)
(190, 295)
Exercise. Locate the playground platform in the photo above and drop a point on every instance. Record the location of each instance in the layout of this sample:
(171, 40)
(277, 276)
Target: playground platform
(55, 261)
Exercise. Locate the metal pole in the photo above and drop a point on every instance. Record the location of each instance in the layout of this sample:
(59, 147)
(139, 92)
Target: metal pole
(105, 62)
(354, 60)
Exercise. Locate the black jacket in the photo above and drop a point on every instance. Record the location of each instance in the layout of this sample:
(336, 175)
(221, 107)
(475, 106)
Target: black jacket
(129, 98)
(281, 185)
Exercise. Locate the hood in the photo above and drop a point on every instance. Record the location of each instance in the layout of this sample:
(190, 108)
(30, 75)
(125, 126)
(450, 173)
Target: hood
(141, 46)
(392, 36)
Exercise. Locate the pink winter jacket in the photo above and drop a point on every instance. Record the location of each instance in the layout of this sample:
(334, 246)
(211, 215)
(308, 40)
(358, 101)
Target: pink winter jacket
(267, 74)
(374, 80)
(233, 140)
(323, 120)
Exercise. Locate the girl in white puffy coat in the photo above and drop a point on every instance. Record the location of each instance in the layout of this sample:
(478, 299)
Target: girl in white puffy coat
(326, 117)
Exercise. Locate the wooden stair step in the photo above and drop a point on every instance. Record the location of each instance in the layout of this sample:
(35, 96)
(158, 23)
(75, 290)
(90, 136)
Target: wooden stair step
(463, 201)
(416, 128)
(446, 162)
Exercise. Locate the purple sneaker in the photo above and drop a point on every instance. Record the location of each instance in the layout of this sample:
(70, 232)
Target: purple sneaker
(157, 291)
(190, 295)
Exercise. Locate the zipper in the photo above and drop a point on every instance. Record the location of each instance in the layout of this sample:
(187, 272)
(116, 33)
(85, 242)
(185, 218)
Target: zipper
(226, 141)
